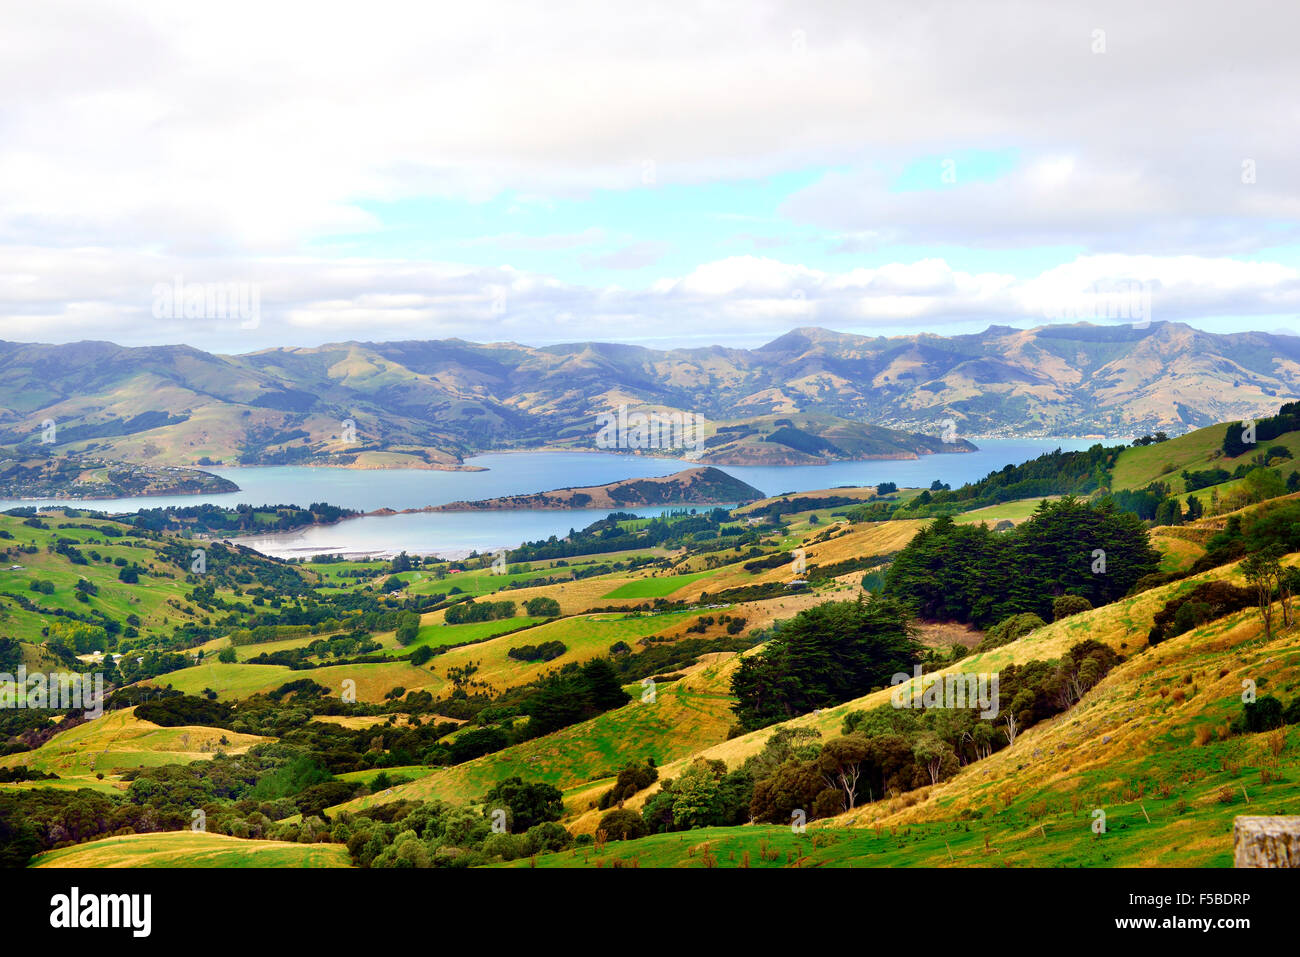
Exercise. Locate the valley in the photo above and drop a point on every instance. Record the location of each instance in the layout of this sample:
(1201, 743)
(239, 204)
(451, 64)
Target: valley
(612, 691)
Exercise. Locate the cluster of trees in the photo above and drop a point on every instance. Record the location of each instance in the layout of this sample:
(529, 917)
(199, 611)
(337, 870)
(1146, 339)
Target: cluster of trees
(1269, 581)
(888, 750)
(542, 607)
(243, 795)
(215, 519)
(879, 753)
(471, 611)
(320, 650)
(1205, 602)
(619, 531)
(968, 573)
(633, 777)
(1266, 714)
(546, 651)
(1273, 525)
(1235, 436)
(1055, 473)
(827, 654)
(437, 834)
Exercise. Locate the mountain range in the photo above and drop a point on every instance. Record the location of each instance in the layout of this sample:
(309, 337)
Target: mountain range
(430, 403)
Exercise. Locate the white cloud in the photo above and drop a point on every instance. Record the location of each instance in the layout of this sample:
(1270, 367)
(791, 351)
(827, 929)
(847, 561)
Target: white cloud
(147, 138)
(108, 294)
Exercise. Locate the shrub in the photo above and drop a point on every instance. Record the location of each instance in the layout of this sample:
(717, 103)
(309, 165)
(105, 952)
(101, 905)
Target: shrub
(622, 824)
(1068, 605)
(542, 607)
(1262, 715)
(1210, 600)
(546, 651)
(634, 777)
(1009, 629)
(408, 628)
(548, 836)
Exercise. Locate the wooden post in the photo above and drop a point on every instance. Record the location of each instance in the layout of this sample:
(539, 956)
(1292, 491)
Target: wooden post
(1266, 841)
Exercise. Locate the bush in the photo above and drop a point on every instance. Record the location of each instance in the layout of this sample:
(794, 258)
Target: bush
(1009, 629)
(622, 825)
(828, 803)
(1210, 600)
(1262, 715)
(634, 777)
(548, 836)
(546, 651)
(1068, 605)
(542, 607)
(408, 628)
(506, 846)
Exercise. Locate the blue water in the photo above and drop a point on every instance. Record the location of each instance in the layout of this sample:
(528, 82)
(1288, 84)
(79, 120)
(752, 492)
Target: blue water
(454, 533)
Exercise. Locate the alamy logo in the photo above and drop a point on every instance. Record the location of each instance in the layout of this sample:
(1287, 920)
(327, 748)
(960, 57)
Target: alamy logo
(73, 910)
(653, 430)
(209, 300)
(968, 690)
(63, 691)
(1119, 300)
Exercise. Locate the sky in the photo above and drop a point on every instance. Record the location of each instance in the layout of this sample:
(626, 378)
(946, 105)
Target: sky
(237, 176)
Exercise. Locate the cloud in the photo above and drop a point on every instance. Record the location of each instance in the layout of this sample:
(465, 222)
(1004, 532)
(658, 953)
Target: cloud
(153, 139)
(252, 127)
(107, 294)
(632, 256)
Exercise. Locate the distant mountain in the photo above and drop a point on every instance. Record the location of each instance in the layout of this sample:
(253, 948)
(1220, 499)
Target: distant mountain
(429, 403)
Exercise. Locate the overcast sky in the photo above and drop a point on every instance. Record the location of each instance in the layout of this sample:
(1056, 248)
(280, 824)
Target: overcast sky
(667, 174)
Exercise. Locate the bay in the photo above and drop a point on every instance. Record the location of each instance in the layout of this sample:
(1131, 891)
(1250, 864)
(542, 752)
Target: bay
(452, 534)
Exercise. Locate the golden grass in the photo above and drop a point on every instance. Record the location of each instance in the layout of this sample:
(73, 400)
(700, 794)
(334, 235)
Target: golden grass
(120, 740)
(190, 849)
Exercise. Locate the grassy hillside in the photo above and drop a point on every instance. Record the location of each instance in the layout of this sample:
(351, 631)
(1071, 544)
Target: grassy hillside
(119, 740)
(187, 849)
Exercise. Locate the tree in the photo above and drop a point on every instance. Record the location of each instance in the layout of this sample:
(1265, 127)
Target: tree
(793, 786)
(542, 607)
(408, 628)
(1012, 723)
(933, 753)
(967, 573)
(1262, 483)
(697, 801)
(622, 824)
(1261, 571)
(1068, 605)
(1169, 512)
(827, 654)
(527, 803)
(841, 764)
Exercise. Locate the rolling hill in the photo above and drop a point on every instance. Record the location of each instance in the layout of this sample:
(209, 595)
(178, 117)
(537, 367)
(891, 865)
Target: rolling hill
(802, 398)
